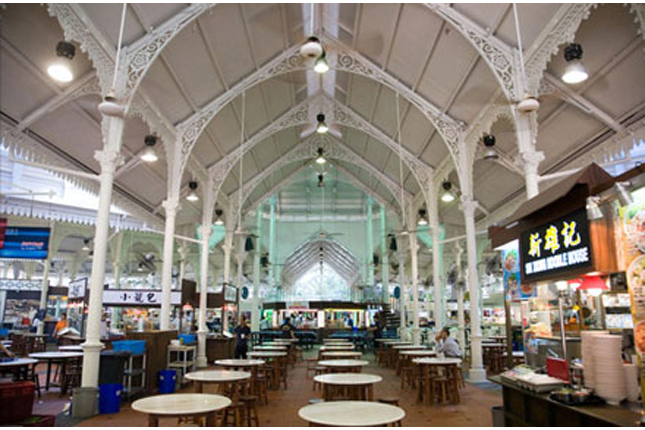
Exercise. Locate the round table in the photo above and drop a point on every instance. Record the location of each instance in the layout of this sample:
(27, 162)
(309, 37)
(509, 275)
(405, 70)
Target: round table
(270, 348)
(54, 357)
(387, 340)
(358, 386)
(181, 405)
(340, 354)
(351, 414)
(406, 355)
(239, 363)
(276, 359)
(337, 347)
(344, 365)
(19, 366)
(226, 381)
(449, 364)
(71, 348)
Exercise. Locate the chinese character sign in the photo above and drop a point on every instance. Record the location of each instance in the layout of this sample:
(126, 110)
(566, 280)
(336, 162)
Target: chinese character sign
(556, 247)
(137, 297)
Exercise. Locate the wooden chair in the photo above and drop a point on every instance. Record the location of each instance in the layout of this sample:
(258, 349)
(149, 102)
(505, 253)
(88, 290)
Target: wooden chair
(71, 373)
(250, 410)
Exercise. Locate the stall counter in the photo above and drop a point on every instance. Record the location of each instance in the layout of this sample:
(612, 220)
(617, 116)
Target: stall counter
(526, 408)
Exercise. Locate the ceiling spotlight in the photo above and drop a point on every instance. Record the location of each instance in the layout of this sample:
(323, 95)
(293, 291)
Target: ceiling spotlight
(489, 143)
(86, 245)
(140, 267)
(574, 72)
(311, 48)
(61, 70)
(321, 179)
(593, 209)
(422, 217)
(321, 127)
(192, 195)
(321, 158)
(321, 65)
(447, 195)
(149, 155)
(624, 196)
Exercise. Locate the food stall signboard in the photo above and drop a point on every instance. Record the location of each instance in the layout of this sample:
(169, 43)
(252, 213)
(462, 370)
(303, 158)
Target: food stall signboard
(137, 297)
(77, 289)
(24, 242)
(556, 247)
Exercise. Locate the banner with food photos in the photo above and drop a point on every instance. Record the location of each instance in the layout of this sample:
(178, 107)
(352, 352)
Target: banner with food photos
(631, 236)
(513, 286)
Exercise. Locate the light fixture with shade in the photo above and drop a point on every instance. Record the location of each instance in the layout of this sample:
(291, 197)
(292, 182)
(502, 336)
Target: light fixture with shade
(447, 195)
(489, 143)
(593, 285)
(86, 245)
(321, 127)
(321, 157)
(321, 66)
(312, 48)
(574, 72)
(422, 217)
(218, 214)
(248, 244)
(321, 180)
(192, 195)
(61, 70)
(149, 155)
(393, 245)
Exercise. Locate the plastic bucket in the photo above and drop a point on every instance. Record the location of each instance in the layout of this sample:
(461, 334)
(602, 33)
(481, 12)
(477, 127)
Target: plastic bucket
(84, 402)
(167, 380)
(110, 398)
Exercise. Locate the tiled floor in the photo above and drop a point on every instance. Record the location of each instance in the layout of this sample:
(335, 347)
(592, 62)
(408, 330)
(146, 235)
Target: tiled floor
(282, 411)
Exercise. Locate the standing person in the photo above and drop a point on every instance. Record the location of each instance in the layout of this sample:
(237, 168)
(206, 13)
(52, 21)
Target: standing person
(288, 329)
(447, 345)
(60, 325)
(242, 333)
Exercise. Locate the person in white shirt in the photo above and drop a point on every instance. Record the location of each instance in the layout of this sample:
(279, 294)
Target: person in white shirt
(447, 345)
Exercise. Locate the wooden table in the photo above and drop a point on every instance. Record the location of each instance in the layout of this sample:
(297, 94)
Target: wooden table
(190, 405)
(19, 367)
(270, 348)
(357, 386)
(337, 347)
(355, 366)
(70, 348)
(351, 414)
(59, 357)
(406, 355)
(448, 364)
(340, 354)
(227, 382)
(276, 359)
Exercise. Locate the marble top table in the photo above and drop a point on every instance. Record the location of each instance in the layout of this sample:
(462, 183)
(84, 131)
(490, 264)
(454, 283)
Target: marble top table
(409, 347)
(358, 386)
(351, 414)
(419, 353)
(19, 367)
(437, 361)
(18, 362)
(397, 343)
(50, 357)
(347, 365)
(181, 405)
(267, 354)
(71, 348)
(337, 347)
(218, 377)
(239, 363)
(341, 354)
(270, 348)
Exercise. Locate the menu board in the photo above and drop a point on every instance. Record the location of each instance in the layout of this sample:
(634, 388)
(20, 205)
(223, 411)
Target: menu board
(77, 289)
(513, 287)
(137, 297)
(556, 248)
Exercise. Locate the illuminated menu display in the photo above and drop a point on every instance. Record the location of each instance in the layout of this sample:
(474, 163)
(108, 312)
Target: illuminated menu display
(556, 247)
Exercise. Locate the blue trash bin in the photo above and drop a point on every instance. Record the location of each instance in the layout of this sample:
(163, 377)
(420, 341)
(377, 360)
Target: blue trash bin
(110, 398)
(167, 380)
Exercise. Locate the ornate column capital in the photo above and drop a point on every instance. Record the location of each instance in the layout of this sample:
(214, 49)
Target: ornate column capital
(109, 159)
(468, 205)
(171, 205)
(532, 158)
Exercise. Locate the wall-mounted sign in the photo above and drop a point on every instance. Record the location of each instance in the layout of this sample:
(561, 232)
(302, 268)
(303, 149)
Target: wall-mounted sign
(555, 248)
(137, 297)
(513, 286)
(230, 293)
(20, 285)
(77, 289)
(24, 242)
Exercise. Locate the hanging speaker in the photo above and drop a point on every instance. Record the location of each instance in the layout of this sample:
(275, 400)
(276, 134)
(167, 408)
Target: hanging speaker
(393, 245)
(248, 245)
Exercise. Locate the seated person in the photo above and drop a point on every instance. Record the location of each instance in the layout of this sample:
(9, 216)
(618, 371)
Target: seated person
(447, 345)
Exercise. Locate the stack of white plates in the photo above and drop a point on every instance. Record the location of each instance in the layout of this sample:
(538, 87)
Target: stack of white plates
(587, 355)
(608, 373)
(631, 381)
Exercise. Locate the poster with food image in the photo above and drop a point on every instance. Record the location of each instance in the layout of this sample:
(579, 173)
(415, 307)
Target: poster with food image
(512, 278)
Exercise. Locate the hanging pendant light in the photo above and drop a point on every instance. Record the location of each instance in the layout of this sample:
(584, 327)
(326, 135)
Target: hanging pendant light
(321, 158)
(593, 285)
(218, 214)
(61, 70)
(86, 245)
(422, 217)
(192, 195)
(321, 127)
(149, 155)
(489, 143)
(447, 195)
(312, 48)
(248, 244)
(393, 244)
(575, 71)
(321, 65)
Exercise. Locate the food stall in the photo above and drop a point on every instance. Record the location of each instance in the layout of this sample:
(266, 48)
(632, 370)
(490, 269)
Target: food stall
(221, 316)
(570, 243)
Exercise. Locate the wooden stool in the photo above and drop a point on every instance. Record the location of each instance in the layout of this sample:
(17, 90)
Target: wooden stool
(234, 414)
(311, 365)
(319, 370)
(250, 410)
(299, 356)
(261, 389)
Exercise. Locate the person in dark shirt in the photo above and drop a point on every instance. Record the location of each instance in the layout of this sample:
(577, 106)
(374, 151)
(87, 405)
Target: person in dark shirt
(288, 329)
(242, 333)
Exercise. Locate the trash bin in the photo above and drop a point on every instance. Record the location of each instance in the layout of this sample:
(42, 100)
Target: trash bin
(110, 398)
(113, 366)
(498, 416)
(167, 380)
(84, 402)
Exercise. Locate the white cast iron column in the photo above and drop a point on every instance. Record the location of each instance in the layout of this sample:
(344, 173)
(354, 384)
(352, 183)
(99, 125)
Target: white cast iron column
(385, 261)
(526, 126)
(370, 243)
(205, 230)
(414, 247)
(171, 205)
(461, 321)
(436, 278)
(477, 372)
(272, 259)
(403, 332)
(255, 313)
(109, 159)
(44, 289)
